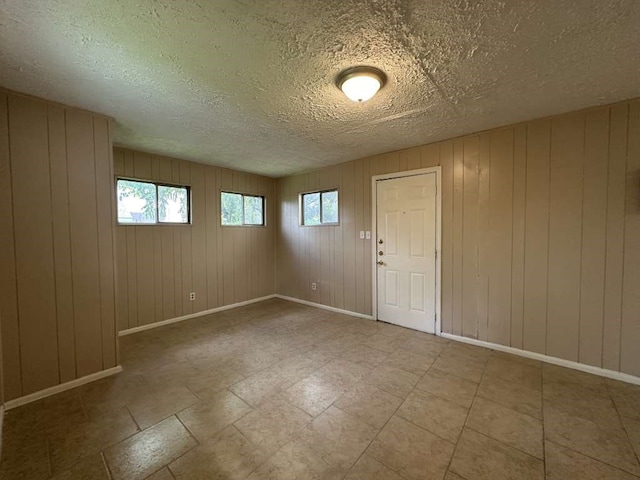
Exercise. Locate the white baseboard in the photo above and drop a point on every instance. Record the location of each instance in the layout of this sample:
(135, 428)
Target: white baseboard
(162, 323)
(602, 372)
(47, 392)
(325, 307)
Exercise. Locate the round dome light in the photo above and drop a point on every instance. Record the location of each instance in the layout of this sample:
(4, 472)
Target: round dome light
(361, 83)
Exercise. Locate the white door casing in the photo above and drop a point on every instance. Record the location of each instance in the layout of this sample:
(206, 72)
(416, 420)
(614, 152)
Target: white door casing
(407, 268)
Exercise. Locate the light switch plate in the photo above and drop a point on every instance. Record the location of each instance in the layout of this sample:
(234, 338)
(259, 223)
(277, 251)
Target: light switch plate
(361, 235)
(368, 235)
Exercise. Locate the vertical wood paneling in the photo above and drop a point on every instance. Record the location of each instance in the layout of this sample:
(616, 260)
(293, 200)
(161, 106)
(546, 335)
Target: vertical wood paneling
(32, 223)
(57, 300)
(458, 253)
(106, 259)
(12, 368)
(62, 243)
(500, 226)
(520, 266)
(518, 235)
(84, 242)
(484, 241)
(446, 161)
(614, 256)
(198, 242)
(629, 353)
(162, 264)
(565, 235)
(594, 230)
(470, 238)
(536, 236)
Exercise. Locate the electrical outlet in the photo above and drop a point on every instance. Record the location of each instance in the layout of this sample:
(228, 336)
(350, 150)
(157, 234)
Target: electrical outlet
(361, 234)
(192, 296)
(314, 286)
(368, 235)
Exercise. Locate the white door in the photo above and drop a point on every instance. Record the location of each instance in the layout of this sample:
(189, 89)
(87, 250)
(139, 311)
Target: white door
(406, 251)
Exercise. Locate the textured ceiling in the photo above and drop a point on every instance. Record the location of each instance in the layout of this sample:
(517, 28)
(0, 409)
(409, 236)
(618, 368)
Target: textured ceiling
(249, 84)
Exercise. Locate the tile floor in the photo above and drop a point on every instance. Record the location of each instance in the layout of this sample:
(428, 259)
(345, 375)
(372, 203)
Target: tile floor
(278, 390)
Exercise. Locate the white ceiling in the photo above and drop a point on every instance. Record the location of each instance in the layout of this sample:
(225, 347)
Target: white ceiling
(248, 84)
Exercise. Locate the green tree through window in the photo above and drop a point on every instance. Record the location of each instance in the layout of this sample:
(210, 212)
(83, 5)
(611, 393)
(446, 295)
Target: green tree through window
(238, 209)
(320, 208)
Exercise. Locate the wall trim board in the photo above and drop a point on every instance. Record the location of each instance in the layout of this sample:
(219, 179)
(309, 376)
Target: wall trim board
(325, 307)
(169, 321)
(602, 372)
(47, 392)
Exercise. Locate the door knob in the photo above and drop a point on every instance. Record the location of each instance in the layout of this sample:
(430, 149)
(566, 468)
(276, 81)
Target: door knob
(380, 262)
(380, 242)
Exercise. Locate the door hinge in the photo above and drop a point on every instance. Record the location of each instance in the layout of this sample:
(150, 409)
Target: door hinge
(436, 254)
(435, 318)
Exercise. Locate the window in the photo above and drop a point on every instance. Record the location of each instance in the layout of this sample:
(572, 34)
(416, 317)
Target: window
(238, 209)
(150, 203)
(319, 208)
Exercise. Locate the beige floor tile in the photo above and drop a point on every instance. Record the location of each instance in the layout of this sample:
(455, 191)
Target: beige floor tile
(508, 426)
(383, 342)
(338, 437)
(448, 386)
(453, 476)
(512, 395)
(67, 448)
(24, 460)
(413, 362)
(369, 404)
(467, 351)
(159, 403)
(364, 355)
(92, 467)
(313, 394)
(467, 368)
(213, 380)
(580, 401)
(146, 452)
(205, 419)
(626, 397)
(411, 451)
(528, 375)
(111, 393)
(295, 461)
(342, 373)
(479, 457)
(163, 474)
(273, 424)
(227, 456)
(392, 380)
(515, 358)
(425, 344)
(368, 468)
(570, 377)
(435, 414)
(260, 387)
(605, 443)
(563, 464)
(633, 431)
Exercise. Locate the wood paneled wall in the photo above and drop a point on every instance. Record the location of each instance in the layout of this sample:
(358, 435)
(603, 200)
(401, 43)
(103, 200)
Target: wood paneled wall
(57, 292)
(541, 235)
(158, 266)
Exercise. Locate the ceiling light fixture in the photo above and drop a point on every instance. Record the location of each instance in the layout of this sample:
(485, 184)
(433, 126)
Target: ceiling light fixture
(361, 83)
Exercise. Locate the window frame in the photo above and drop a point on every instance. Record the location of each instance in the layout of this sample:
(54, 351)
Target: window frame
(243, 225)
(321, 192)
(156, 184)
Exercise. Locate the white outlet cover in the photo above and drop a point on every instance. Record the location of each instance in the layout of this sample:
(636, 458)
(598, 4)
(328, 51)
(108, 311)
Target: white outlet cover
(361, 235)
(368, 235)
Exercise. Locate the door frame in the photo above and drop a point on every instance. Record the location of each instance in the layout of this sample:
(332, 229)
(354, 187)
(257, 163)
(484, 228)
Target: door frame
(374, 230)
